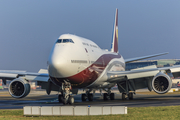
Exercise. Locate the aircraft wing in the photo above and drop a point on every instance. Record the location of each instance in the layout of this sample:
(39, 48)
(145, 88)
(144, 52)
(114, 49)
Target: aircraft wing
(29, 76)
(144, 57)
(145, 72)
(23, 77)
(19, 87)
(151, 77)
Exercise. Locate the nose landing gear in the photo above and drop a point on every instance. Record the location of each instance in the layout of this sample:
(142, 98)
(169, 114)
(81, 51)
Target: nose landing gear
(65, 96)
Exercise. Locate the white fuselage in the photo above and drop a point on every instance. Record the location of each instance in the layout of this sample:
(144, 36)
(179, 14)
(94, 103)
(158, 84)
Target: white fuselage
(81, 62)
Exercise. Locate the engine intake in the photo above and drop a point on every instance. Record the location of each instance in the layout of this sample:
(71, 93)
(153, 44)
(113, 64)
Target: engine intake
(161, 83)
(19, 88)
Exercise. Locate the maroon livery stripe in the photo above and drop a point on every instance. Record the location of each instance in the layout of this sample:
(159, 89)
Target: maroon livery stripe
(88, 75)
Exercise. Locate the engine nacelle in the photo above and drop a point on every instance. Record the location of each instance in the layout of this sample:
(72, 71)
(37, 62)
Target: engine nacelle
(161, 83)
(19, 88)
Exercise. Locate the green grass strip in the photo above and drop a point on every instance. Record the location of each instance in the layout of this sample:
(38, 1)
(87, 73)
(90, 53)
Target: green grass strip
(134, 113)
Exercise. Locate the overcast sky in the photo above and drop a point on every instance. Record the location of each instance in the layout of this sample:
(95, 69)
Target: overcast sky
(28, 29)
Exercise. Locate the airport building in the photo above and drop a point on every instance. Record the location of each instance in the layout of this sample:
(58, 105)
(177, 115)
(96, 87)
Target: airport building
(1, 86)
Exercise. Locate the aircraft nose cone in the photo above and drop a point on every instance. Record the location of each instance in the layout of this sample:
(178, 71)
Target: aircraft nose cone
(53, 67)
(56, 64)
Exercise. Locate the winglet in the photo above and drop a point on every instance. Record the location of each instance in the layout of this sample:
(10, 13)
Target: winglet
(114, 47)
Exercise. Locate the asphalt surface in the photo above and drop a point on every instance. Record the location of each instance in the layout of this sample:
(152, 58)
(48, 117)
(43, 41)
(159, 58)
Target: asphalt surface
(40, 98)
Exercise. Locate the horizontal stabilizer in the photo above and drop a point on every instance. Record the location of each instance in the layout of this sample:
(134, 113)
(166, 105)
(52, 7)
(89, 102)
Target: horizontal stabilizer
(43, 71)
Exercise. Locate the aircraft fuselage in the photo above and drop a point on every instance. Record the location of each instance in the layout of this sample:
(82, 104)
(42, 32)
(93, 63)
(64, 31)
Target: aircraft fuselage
(81, 62)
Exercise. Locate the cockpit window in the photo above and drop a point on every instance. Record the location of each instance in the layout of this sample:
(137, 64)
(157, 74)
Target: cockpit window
(59, 41)
(70, 40)
(64, 41)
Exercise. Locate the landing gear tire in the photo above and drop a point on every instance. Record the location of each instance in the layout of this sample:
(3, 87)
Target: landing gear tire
(90, 97)
(105, 96)
(64, 101)
(60, 97)
(123, 96)
(130, 95)
(71, 100)
(112, 96)
(83, 97)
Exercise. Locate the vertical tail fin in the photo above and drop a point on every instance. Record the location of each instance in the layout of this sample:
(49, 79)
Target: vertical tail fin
(114, 47)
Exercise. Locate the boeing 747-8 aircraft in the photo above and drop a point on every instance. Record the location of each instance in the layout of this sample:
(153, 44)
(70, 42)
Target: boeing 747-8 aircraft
(78, 63)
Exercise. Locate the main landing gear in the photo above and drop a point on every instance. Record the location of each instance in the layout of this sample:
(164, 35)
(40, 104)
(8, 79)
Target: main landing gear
(125, 96)
(127, 88)
(89, 95)
(65, 96)
(108, 95)
(86, 96)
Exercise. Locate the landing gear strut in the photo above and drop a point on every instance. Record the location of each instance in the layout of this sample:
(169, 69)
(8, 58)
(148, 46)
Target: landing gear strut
(65, 96)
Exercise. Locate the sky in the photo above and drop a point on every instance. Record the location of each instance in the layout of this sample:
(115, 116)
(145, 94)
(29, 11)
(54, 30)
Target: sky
(28, 29)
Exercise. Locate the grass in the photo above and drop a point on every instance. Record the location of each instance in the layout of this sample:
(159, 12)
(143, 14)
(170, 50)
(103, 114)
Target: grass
(134, 113)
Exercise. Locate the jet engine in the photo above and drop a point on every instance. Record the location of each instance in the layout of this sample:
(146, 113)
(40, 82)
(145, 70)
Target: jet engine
(161, 83)
(19, 88)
